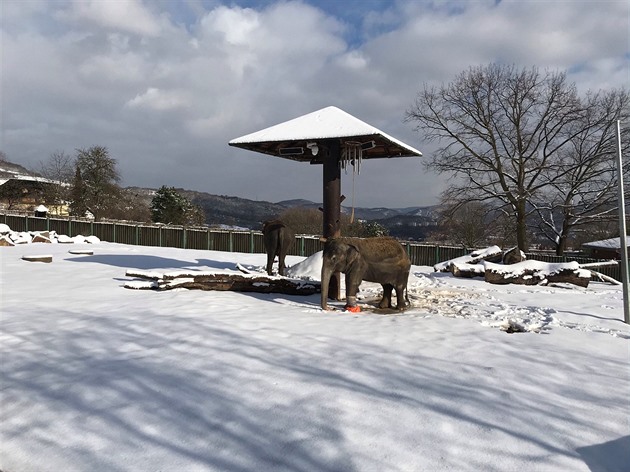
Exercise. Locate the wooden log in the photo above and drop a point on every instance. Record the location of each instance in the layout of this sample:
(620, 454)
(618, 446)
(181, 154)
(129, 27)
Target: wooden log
(38, 258)
(595, 265)
(490, 254)
(225, 282)
(568, 276)
(467, 271)
(83, 252)
(604, 278)
(536, 276)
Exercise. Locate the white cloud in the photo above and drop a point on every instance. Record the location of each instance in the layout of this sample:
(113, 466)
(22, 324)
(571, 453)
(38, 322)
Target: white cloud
(90, 72)
(354, 60)
(125, 15)
(161, 100)
(234, 25)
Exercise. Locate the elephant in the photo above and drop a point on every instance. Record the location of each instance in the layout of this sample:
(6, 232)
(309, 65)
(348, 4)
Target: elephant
(278, 239)
(381, 259)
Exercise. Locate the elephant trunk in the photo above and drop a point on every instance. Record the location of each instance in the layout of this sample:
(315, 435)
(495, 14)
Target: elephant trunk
(325, 283)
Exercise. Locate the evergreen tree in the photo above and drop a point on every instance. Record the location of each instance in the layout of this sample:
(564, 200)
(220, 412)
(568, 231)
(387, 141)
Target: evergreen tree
(373, 229)
(170, 207)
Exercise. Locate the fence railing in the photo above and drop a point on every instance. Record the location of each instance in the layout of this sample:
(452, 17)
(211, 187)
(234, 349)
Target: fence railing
(236, 240)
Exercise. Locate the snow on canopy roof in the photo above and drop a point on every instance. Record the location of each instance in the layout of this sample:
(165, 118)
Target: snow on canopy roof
(613, 243)
(327, 123)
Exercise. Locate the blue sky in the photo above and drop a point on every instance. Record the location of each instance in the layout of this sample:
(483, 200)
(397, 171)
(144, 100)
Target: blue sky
(165, 85)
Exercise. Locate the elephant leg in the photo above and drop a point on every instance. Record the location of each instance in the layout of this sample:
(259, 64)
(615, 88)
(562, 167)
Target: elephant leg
(352, 287)
(281, 265)
(400, 297)
(270, 258)
(386, 301)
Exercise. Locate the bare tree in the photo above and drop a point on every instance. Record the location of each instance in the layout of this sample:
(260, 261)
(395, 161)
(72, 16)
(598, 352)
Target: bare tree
(60, 169)
(130, 206)
(582, 184)
(499, 128)
(309, 221)
(465, 224)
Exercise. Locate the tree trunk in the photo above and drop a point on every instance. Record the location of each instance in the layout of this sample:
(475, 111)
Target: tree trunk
(564, 235)
(521, 227)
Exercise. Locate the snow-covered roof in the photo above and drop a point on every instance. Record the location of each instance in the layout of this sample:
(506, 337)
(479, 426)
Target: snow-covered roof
(31, 178)
(613, 243)
(318, 126)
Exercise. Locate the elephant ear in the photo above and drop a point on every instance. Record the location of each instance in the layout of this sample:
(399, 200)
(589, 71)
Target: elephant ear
(353, 252)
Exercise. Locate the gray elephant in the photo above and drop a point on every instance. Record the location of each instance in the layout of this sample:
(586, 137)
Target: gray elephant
(382, 260)
(278, 239)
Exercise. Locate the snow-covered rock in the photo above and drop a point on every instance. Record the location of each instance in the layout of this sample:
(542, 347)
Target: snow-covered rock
(492, 253)
(9, 237)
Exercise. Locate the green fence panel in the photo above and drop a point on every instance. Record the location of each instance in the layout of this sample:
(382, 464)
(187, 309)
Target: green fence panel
(16, 223)
(37, 224)
(105, 231)
(126, 234)
(164, 236)
(196, 239)
(259, 243)
(221, 240)
(80, 228)
(312, 245)
(241, 241)
(59, 226)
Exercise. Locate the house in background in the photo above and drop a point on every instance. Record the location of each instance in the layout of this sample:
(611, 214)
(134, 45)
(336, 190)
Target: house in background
(606, 248)
(22, 190)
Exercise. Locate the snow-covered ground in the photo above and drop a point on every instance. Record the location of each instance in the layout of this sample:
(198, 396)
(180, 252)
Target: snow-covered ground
(99, 377)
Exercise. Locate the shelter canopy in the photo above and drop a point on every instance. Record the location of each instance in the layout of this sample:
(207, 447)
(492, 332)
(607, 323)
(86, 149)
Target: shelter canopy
(296, 139)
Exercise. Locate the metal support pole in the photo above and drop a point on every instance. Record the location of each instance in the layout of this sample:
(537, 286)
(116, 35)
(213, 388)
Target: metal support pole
(332, 204)
(622, 230)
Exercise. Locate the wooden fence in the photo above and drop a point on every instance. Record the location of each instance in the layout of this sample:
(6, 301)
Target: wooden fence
(236, 240)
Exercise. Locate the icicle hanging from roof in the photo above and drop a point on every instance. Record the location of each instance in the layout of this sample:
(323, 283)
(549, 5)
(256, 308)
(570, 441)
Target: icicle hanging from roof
(351, 153)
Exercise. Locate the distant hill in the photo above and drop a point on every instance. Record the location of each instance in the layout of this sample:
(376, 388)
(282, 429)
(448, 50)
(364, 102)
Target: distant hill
(9, 170)
(405, 223)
